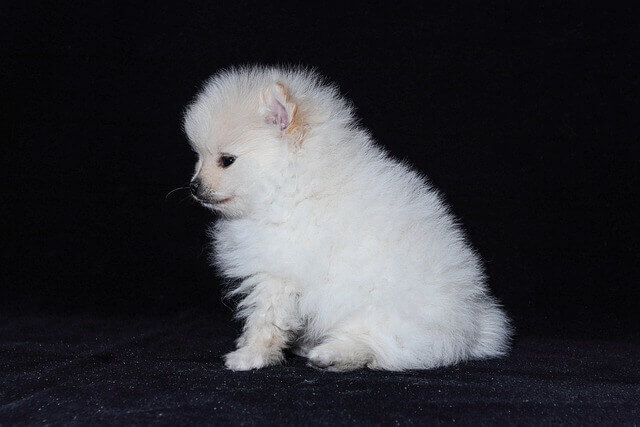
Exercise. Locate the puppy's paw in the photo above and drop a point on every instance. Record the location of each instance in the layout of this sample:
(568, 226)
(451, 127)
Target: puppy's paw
(336, 357)
(246, 358)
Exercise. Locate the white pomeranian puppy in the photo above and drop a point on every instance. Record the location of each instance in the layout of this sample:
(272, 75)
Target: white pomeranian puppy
(340, 252)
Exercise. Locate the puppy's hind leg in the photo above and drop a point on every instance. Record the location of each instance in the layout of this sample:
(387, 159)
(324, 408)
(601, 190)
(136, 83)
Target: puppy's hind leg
(272, 318)
(340, 353)
(301, 347)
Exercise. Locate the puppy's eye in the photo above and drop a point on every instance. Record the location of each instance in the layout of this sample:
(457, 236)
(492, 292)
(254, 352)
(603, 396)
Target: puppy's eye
(225, 161)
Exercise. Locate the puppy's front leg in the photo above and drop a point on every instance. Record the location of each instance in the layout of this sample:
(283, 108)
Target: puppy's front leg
(272, 318)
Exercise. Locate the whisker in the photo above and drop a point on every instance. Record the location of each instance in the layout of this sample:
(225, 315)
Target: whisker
(174, 190)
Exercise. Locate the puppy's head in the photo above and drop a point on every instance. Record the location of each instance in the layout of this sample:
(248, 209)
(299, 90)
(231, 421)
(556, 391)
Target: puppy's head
(243, 129)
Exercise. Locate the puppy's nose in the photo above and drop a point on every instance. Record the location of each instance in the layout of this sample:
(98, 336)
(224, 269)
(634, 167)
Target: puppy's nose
(194, 185)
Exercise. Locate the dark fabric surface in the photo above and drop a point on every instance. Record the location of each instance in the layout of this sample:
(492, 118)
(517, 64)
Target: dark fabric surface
(169, 370)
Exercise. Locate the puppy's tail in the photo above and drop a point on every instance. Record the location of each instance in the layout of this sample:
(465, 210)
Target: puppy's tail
(495, 332)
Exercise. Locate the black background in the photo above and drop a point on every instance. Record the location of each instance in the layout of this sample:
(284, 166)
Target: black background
(521, 114)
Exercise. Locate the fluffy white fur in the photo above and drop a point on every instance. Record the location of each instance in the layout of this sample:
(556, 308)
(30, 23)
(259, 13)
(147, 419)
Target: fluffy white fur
(339, 251)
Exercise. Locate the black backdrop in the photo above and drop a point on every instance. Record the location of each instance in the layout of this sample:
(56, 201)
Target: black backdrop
(521, 115)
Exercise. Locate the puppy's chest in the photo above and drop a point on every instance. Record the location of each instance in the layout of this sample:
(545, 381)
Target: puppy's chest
(285, 250)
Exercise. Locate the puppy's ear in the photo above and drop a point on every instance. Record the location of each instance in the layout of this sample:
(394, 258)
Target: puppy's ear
(280, 109)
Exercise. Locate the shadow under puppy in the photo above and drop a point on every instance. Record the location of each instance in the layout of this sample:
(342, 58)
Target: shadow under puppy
(339, 251)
